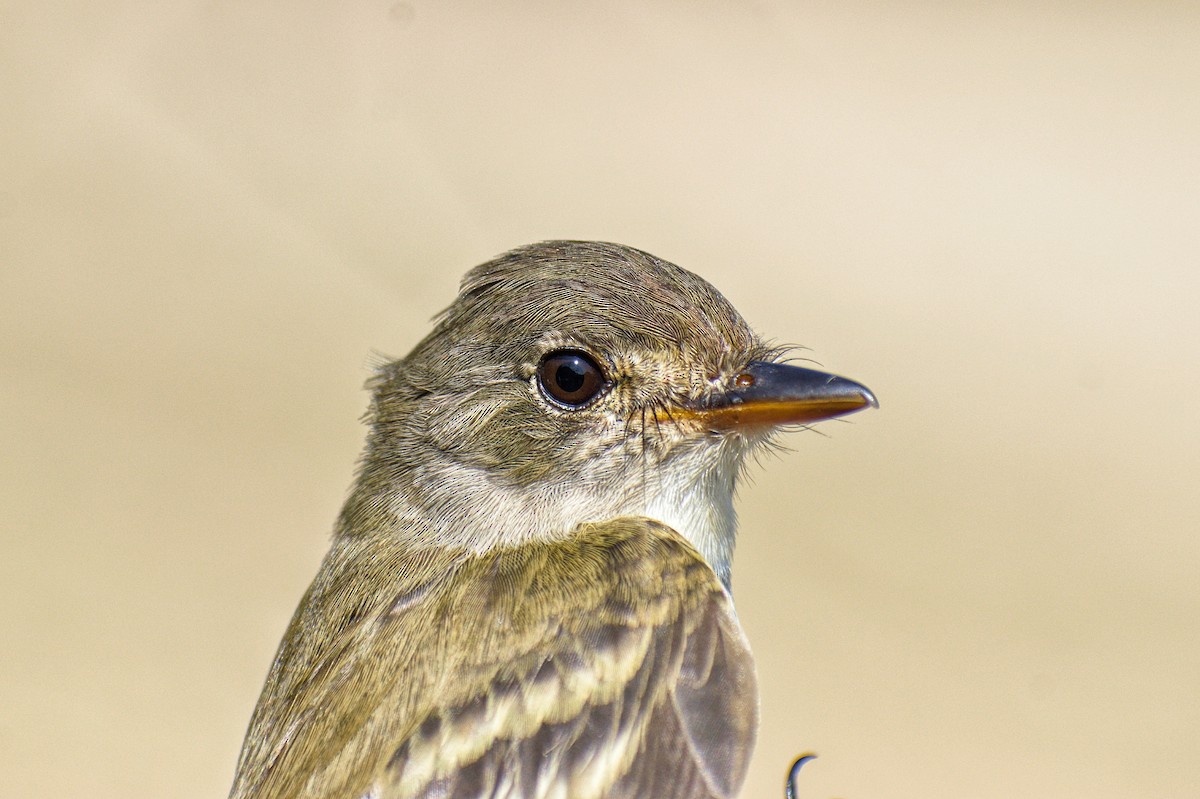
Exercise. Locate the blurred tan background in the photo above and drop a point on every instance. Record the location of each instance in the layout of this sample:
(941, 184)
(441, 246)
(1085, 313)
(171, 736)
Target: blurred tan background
(211, 214)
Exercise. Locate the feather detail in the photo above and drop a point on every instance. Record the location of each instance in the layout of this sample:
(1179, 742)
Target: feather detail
(606, 664)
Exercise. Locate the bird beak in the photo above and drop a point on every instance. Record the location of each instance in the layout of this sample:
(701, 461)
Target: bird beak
(770, 394)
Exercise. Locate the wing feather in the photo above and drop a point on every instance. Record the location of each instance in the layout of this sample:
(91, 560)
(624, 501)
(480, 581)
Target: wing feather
(608, 664)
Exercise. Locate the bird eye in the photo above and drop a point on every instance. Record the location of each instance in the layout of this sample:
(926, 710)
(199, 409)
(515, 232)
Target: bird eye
(570, 377)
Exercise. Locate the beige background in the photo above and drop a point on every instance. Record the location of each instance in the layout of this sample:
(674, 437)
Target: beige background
(212, 213)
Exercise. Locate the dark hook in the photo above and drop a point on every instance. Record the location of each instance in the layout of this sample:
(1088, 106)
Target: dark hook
(789, 787)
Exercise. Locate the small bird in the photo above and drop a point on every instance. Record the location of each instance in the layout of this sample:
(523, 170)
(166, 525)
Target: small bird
(528, 590)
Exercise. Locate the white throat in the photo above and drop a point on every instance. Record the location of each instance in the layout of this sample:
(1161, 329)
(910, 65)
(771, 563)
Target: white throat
(690, 491)
(693, 494)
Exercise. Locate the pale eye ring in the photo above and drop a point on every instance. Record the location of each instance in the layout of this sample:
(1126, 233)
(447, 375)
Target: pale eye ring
(570, 378)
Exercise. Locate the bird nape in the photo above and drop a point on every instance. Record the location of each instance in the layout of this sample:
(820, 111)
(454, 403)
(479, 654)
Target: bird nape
(528, 590)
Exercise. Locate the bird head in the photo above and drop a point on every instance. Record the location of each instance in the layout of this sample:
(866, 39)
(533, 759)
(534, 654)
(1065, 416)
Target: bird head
(575, 382)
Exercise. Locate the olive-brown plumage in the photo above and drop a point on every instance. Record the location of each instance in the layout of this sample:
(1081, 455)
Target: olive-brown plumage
(548, 667)
(528, 590)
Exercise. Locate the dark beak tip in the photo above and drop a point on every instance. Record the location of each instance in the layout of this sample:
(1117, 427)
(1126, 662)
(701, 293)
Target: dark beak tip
(844, 386)
(868, 395)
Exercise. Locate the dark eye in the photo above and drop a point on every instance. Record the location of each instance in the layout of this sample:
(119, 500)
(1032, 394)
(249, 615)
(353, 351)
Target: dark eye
(570, 377)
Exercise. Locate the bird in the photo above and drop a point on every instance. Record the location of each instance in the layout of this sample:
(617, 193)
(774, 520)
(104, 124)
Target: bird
(528, 591)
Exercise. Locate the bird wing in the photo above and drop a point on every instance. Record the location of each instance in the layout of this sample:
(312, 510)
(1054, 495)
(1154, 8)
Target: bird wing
(607, 664)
